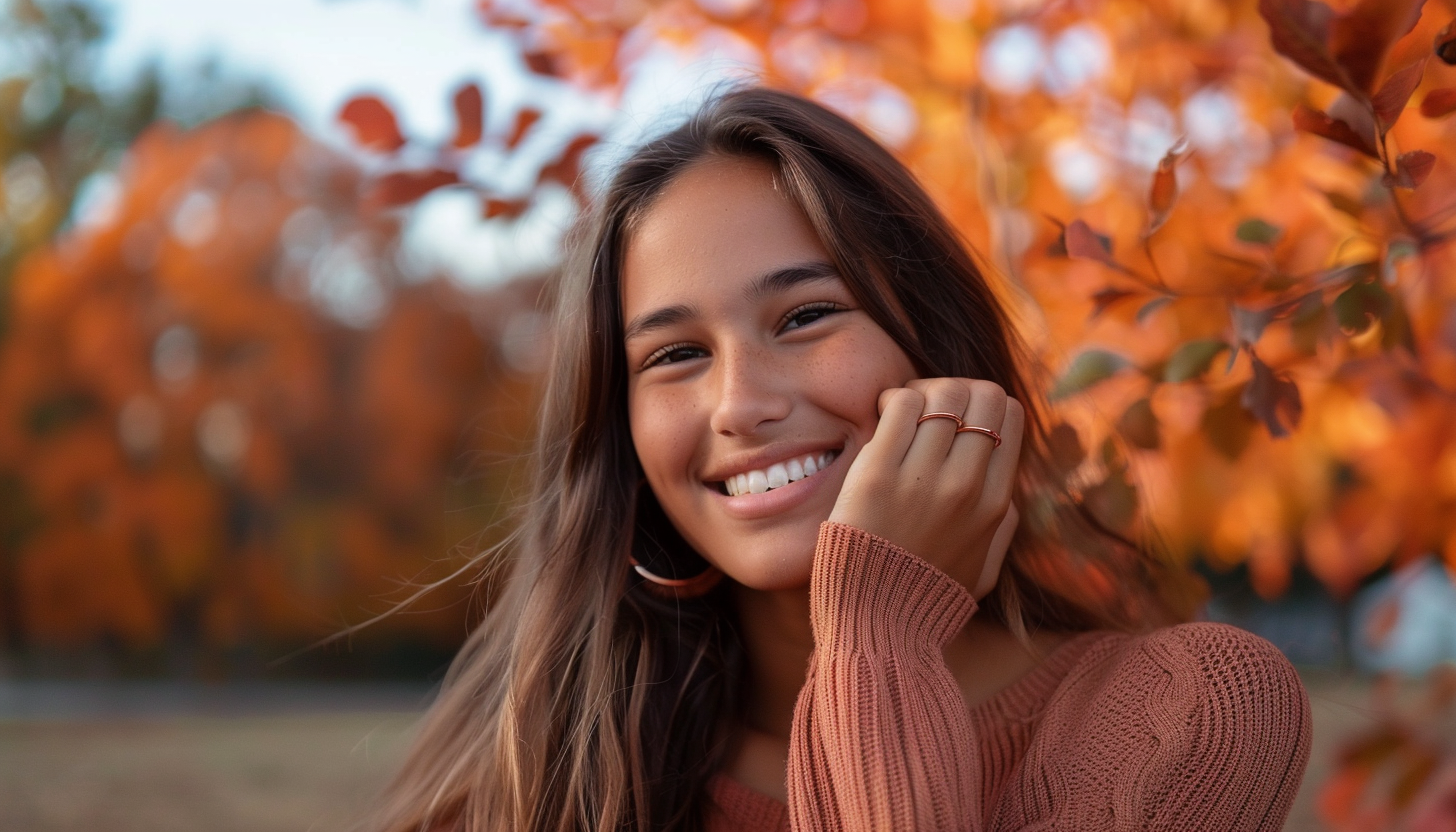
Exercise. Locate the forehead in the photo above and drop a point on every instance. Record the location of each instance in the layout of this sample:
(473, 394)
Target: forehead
(713, 229)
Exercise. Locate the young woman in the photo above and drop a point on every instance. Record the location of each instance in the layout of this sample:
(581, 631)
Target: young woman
(796, 557)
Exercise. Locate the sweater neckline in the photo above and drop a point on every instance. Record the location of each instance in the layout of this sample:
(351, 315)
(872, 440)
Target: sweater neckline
(1028, 691)
(1025, 693)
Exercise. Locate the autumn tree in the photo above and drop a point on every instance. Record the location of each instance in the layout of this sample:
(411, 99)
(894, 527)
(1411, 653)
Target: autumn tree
(227, 421)
(1226, 225)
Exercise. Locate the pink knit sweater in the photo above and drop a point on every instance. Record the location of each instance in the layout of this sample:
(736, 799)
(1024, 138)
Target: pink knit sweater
(1194, 727)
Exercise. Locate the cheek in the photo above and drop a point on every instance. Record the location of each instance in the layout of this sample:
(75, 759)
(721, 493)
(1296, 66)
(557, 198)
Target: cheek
(849, 379)
(661, 434)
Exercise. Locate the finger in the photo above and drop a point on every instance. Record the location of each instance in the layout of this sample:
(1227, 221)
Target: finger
(972, 453)
(899, 408)
(933, 437)
(996, 554)
(1002, 465)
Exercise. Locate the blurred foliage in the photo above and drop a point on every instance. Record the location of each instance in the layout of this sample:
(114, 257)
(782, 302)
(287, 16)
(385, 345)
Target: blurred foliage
(1228, 222)
(228, 426)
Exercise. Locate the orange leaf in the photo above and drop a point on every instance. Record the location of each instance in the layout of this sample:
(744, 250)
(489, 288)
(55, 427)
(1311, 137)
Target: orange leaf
(567, 166)
(1165, 188)
(510, 209)
(1085, 244)
(524, 120)
(469, 116)
(1411, 169)
(1439, 103)
(1314, 121)
(407, 186)
(374, 125)
(1390, 101)
(1340, 795)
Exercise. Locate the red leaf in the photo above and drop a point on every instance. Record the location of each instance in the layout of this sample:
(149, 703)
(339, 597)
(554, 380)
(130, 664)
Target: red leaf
(1411, 169)
(1390, 101)
(1439, 103)
(567, 167)
(1313, 121)
(1360, 38)
(407, 186)
(1085, 244)
(373, 123)
(1300, 31)
(1273, 399)
(541, 63)
(508, 208)
(469, 116)
(524, 120)
(1165, 188)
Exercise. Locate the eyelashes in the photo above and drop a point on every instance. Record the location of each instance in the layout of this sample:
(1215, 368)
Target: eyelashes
(818, 308)
(796, 318)
(661, 355)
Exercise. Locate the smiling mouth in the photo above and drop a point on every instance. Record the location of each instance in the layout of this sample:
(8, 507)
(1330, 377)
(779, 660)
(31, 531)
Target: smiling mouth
(777, 475)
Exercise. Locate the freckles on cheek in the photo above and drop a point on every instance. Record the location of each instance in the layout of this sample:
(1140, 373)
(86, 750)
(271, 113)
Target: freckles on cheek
(662, 438)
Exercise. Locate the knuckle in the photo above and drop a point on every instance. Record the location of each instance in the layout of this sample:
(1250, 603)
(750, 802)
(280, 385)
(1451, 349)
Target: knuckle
(909, 399)
(986, 387)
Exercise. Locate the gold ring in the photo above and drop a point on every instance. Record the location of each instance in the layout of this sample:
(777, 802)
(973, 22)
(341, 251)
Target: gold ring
(987, 431)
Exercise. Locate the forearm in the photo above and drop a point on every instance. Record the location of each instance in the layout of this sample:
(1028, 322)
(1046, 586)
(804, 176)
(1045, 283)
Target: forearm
(882, 738)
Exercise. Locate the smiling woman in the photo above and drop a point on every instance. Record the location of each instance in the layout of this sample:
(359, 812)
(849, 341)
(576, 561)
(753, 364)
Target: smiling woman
(774, 573)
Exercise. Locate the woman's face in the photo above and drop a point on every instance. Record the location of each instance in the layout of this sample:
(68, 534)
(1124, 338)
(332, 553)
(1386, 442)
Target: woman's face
(753, 373)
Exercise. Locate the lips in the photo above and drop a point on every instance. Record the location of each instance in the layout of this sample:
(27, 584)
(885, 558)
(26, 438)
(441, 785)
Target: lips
(777, 474)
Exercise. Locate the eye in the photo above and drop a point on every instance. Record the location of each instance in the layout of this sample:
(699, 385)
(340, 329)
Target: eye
(809, 313)
(672, 354)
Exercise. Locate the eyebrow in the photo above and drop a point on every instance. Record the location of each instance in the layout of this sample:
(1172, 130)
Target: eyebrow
(771, 283)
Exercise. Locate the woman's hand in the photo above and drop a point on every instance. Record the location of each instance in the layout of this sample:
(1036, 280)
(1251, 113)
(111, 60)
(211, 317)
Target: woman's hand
(941, 495)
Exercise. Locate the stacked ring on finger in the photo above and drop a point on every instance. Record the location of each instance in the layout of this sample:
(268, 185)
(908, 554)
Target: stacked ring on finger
(961, 427)
(987, 431)
(940, 414)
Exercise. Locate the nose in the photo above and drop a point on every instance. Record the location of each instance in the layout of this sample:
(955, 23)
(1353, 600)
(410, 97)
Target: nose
(751, 392)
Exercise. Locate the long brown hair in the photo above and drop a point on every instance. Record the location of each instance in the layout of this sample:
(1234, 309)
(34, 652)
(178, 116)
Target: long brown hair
(584, 701)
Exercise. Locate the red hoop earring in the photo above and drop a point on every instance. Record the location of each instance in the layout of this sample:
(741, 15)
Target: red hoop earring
(678, 588)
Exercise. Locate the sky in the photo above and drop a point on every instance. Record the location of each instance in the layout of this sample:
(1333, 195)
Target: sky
(316, 54)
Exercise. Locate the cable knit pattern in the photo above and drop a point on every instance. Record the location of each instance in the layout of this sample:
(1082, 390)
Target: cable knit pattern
(1194, 727)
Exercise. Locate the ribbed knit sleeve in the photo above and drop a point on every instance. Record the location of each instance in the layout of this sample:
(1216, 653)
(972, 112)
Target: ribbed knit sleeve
(881, 737)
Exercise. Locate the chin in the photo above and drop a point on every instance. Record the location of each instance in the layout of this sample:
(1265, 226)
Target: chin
(773, 566)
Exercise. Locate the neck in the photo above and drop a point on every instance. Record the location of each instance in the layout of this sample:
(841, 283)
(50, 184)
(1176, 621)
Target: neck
(777, 642)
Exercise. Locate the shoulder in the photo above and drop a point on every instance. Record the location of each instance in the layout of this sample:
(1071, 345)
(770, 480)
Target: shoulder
(1171, 725)
(1185, 679)
(1203, 664)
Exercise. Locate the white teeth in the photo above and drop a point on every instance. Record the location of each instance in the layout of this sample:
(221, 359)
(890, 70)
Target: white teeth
(777, 475)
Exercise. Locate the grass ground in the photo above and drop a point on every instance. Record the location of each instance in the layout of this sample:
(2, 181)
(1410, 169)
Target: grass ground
(310, 771)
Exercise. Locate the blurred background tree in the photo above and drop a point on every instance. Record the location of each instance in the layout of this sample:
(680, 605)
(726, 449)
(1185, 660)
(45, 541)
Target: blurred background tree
(234, 418)
(228, 426)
